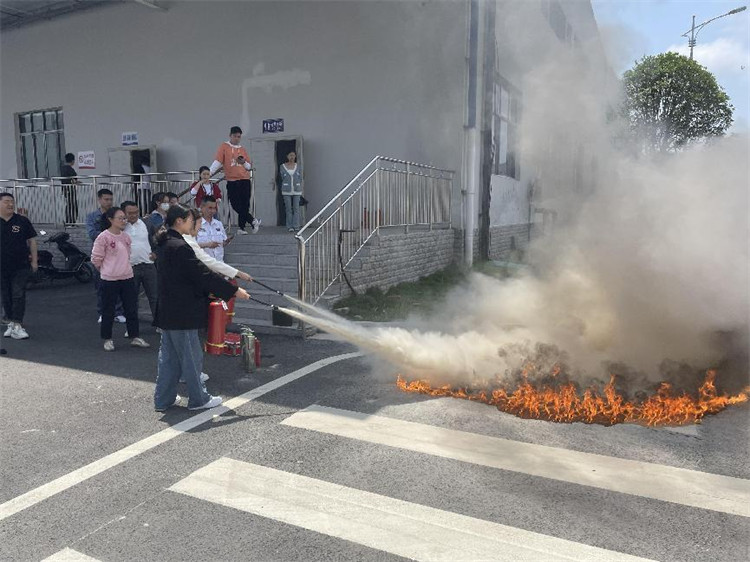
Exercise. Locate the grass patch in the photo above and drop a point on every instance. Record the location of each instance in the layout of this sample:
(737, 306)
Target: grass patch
(401, 300)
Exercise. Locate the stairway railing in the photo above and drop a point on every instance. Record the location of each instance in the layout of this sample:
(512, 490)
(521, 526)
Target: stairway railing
(386, 193)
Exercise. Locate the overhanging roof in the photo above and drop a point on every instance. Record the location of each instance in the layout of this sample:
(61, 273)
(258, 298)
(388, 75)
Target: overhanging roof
(16, 13)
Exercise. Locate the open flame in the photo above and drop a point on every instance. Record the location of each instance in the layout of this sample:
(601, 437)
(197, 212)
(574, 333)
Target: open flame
(564, 403)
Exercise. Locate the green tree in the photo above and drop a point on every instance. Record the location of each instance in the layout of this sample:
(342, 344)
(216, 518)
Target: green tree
(671, 100)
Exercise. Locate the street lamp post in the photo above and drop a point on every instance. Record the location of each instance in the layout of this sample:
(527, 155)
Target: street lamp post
(693, 31)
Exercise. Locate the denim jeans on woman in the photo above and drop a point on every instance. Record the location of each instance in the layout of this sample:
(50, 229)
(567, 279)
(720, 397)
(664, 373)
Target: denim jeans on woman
(180, 355)
(291, 204)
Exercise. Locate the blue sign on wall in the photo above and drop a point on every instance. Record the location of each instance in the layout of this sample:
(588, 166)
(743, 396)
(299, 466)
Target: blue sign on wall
(273, 125)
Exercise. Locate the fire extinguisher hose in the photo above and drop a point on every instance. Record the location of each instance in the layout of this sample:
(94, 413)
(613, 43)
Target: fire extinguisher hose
(269, 288)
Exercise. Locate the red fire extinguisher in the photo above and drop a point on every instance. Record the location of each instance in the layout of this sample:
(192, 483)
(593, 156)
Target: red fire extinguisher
(217, 324)
(230, 305)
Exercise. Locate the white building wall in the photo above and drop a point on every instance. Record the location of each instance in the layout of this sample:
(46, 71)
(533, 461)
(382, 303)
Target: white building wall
(355, 79)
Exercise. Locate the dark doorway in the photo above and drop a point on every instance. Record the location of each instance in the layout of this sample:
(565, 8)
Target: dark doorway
(283, 147)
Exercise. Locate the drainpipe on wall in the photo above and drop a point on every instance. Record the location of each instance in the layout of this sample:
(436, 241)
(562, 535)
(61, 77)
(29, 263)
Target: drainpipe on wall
(472, 138)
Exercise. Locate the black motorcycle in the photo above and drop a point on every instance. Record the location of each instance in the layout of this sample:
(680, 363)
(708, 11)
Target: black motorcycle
(77, 263)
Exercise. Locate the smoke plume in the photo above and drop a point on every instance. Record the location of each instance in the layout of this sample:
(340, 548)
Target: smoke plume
(645, 273)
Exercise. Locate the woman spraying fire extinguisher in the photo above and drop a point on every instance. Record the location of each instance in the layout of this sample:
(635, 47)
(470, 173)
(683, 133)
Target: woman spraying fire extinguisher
(182, 309)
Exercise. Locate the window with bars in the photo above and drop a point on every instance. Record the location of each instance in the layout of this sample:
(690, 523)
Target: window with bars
(505, 118)
(41, 143)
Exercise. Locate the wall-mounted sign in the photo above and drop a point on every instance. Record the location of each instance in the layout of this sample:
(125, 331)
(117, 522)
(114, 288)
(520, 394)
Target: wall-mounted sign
(273, 125)
(86, 160)
(130, 138)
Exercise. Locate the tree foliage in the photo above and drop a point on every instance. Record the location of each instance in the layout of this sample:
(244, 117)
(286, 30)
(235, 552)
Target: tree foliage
(671, 100)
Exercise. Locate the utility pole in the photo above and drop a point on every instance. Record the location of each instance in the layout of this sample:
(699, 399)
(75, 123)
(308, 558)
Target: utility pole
(695, 29)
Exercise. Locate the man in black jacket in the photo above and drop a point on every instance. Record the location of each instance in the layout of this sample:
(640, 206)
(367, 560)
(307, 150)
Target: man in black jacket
(184, 284)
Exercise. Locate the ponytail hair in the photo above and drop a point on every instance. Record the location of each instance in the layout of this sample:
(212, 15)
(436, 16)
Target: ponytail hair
(175, 212)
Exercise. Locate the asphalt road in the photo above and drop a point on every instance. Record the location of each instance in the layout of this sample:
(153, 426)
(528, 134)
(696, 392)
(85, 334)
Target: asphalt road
(90, 471)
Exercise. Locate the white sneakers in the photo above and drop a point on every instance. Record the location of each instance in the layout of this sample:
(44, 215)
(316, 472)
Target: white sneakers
(204, 377)
(241, 231)
(175, 403)
(120, 319)
(213, 401)
(256, 225)
(15, 331)
(109, 345)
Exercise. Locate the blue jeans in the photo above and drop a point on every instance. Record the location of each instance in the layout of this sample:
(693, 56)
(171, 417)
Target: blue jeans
(180, 355)
(291, 204)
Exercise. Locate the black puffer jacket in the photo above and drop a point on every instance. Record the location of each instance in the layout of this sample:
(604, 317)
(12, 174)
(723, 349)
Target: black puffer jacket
(184, 285)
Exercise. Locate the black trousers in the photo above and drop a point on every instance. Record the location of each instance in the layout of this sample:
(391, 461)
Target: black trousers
(71, 203)
(239, 197)
(13, 288)
(144, 275)
(111, 292)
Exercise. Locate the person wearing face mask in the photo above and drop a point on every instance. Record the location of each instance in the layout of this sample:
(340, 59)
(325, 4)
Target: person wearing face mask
(182, 310)
(158, 211)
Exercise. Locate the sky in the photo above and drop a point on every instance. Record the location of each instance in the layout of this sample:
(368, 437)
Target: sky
(632, 29)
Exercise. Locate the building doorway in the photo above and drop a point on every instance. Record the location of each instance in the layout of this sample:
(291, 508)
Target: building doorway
(267, 155)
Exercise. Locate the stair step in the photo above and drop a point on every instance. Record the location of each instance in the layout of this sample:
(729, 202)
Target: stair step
(252, 258)
(268, 240)
(280, 284)
(260, 272)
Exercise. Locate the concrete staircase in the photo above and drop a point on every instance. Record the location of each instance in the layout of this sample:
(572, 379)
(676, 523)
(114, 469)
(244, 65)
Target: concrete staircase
(271, 257)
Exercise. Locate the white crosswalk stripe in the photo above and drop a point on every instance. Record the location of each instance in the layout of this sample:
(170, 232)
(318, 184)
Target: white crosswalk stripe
(406, 529)
(69, 555)
(677, 485)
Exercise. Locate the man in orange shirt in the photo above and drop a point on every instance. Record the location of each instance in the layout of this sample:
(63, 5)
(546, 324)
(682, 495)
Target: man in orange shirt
(236, 163)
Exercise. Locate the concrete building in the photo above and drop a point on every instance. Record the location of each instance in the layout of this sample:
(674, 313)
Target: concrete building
(444, 83)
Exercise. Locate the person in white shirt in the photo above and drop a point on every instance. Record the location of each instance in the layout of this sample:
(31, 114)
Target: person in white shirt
(211, 236)
(142, 253)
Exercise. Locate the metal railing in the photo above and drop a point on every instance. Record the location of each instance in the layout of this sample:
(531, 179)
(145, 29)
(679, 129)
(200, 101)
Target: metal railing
(55, 201)
(386, 193)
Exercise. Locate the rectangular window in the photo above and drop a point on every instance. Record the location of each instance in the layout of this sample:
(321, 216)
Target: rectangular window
(40, 143)
(505, 120)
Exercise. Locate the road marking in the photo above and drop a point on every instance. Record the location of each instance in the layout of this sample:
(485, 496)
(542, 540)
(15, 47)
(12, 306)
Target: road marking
(69, 555)
(33, 497)
(387, 524)
(677, 485)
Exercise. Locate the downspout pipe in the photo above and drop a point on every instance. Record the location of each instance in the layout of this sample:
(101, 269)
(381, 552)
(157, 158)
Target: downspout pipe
(472, 137)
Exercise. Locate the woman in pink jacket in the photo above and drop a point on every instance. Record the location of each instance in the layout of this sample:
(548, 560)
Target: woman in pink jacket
(111, 256)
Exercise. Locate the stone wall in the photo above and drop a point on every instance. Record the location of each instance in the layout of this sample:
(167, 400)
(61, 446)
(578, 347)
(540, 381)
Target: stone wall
(503, 237)
(78, 237)
(396, 257)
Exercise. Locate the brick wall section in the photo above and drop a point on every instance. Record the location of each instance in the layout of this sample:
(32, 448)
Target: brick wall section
(398, 257)
(500, 240)
(78, 237)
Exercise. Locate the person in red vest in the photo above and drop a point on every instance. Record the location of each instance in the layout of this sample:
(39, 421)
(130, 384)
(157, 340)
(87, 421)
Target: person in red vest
(204, 187)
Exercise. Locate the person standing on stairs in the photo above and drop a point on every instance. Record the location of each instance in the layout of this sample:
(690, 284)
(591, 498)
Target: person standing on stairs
(233, 158)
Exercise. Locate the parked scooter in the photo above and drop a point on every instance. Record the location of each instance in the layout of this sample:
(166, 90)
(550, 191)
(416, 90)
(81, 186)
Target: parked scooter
(77, 263)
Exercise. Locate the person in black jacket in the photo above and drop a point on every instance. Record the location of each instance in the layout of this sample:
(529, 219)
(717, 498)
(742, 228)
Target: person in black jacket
(184, 284)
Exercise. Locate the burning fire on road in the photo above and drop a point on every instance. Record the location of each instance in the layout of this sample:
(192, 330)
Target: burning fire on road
(566, 403)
